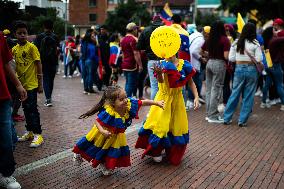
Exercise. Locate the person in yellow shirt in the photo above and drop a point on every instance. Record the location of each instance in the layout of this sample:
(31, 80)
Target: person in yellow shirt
(29, 71)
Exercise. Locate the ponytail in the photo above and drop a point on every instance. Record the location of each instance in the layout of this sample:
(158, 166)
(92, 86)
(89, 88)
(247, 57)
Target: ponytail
(110, 95)
(95, 109)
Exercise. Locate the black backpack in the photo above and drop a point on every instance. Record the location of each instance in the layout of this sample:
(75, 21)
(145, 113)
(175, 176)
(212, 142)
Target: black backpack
(48, 49)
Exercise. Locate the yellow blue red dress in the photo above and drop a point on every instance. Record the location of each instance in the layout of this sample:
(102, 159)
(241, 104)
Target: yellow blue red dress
(168, 128)
(112, 151)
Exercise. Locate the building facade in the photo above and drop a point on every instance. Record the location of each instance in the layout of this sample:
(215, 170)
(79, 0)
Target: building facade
(89, 13)
(60, 6)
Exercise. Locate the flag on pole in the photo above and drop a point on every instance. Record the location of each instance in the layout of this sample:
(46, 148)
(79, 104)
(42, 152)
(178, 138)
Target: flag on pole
(240, 23)
(166, 14)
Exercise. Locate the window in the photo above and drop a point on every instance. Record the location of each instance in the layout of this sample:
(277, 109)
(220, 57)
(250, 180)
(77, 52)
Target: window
(92, 3)
(92, 18)
(111, 2)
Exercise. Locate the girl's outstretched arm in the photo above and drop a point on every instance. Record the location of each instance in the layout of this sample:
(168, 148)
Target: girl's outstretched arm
(103, 131)
(192, 86)
(159, 103)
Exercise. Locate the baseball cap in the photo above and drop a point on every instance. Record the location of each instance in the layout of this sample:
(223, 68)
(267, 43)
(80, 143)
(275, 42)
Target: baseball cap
(278, 21)
(6, 32)
(131, 26)
(206, 29)
(191, 28)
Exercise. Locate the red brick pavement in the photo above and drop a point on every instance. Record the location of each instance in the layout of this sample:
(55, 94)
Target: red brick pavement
(218, 156)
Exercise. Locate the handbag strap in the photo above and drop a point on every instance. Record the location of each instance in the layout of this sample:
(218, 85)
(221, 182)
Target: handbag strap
(250, 56)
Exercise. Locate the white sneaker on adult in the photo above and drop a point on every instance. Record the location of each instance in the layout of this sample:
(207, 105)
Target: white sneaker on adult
(217, 120)
(158, 159)
(221, 108)
(9, 182)
(258, 93)
(282, 108)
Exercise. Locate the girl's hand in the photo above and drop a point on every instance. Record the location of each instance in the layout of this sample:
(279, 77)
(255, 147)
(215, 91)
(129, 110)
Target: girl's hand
(196, 103)
(161, 104)
(157, 69)
(106, 133)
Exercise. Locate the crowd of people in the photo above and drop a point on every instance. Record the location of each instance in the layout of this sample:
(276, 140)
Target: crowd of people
(232, 66)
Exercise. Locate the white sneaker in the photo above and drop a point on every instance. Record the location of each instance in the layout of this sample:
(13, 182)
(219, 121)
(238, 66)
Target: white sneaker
(218, 120)
(206, 118)
(189, 104)
(221, 108)
(77, 159)
(158, 159)
(9, 182)
(258, 93)
(265, 105)
(64, 76)
(69, 76)
(105, 171)
(275, 101)
(282, 108)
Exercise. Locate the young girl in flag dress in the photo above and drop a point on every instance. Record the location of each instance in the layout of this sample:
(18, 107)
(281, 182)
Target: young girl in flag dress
(106, 143)
(167, 129)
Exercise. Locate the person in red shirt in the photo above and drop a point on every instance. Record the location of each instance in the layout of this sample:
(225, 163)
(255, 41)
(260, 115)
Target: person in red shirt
(217, 46)
(131, 62)
(278, 27)
(7, 162)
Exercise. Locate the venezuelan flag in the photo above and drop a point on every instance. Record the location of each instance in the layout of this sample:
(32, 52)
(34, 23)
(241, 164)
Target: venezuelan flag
(166, 15)
(114, 53)
(184, 47)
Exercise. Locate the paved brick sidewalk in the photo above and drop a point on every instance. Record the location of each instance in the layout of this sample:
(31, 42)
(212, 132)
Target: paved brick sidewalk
(218, 156)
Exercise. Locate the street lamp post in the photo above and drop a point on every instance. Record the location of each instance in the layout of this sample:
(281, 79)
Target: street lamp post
(65, 25)
(195, 11)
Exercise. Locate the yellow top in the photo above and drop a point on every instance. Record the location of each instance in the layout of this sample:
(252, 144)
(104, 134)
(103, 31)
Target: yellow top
(25, 57)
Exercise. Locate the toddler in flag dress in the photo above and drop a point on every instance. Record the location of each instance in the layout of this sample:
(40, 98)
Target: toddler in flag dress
(106, 144)
(167, 129)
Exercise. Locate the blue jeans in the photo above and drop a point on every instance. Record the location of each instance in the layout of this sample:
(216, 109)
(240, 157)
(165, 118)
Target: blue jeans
(7, 162)
(131, 83)
(89, 73)
(245, 82)
(153, 80)
(31, 112)
(275, 74)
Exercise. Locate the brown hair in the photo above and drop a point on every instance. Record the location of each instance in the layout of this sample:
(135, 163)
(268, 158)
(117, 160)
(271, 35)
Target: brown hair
(110, 95)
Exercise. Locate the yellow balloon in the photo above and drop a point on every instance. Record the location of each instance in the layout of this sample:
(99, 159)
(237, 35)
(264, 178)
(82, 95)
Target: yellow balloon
(165, 41)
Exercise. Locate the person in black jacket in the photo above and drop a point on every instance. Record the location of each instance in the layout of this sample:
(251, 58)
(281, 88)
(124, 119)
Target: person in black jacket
(103, 40)
(144, 44)
(48, 45)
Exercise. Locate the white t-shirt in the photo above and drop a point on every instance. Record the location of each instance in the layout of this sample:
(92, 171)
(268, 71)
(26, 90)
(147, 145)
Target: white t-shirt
(253, 48)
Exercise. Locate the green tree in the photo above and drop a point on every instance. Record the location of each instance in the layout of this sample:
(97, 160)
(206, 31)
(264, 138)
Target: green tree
(125, 13)
(266, 9)
(9, 12)
(59, 24)
(205, 19)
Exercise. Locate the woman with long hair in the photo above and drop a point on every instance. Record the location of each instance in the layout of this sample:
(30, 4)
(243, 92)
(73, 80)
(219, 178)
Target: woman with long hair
(217, 46)
(245, 76)
(89, 60)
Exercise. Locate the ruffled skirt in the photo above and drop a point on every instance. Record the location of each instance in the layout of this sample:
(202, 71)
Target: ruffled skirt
(113, 151)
